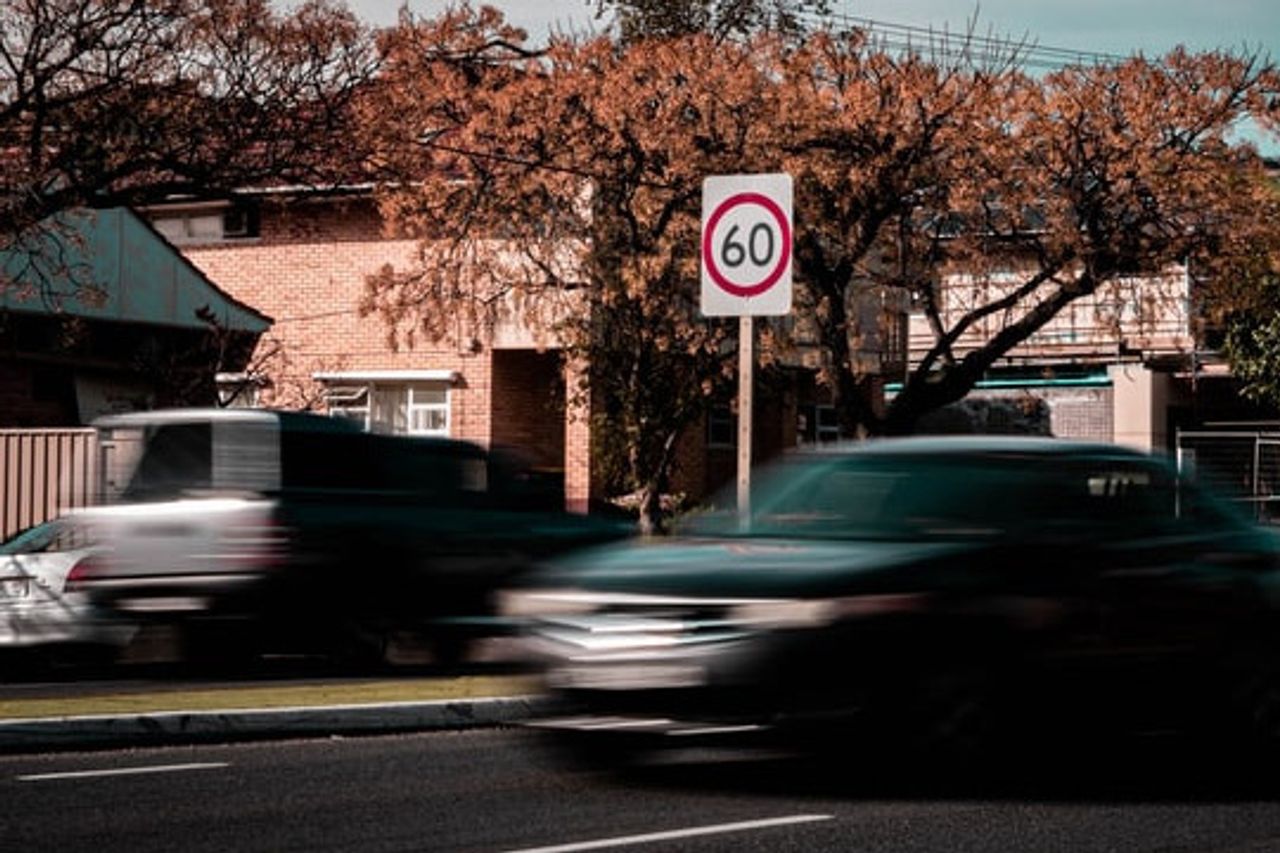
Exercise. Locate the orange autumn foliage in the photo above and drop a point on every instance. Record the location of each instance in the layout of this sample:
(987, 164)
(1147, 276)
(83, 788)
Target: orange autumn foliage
(563, 185)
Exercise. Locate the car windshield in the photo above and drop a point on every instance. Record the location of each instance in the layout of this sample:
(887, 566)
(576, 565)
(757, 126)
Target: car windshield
(199, 457)
(30, 540)
(921, 496)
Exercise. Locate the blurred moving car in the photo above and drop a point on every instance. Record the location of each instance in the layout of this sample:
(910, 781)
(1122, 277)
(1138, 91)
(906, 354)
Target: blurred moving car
(929, 597)
(257, 530)
(37, 612)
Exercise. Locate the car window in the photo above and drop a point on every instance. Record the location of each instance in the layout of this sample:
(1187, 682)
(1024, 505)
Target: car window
(1122, 494)
(47, 537)
(324, 461)
(32, 540)
(906, 497)
(70, 537)
(203, 457)
(1208, 511)
(177, 459)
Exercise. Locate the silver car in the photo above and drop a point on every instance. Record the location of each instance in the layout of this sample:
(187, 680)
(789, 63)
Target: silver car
(36, 608)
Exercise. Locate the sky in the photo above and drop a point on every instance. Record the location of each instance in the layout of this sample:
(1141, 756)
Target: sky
(1112, 26)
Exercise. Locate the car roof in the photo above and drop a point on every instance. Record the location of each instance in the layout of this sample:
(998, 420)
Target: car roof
(286, 420)
(289, 422)
(981, 445)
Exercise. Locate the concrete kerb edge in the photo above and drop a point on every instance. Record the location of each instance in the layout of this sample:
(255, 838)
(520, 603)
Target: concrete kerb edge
(170, 727)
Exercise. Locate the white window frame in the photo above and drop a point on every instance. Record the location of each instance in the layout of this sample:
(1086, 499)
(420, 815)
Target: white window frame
(386, 398)
(426, 408)
(344, 401)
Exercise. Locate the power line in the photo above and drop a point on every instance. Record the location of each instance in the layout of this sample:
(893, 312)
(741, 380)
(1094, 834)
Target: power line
(301, 318)
(903, 36)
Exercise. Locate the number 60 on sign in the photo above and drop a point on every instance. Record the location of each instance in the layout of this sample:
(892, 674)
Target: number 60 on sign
(746, 245)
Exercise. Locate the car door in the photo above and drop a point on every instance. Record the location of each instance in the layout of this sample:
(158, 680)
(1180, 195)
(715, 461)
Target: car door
(1176, 581)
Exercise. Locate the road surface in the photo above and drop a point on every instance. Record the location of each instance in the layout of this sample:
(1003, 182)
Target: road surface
(498, 790)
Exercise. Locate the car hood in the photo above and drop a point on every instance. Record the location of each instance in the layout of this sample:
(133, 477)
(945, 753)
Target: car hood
(753, 567)
(50, 568)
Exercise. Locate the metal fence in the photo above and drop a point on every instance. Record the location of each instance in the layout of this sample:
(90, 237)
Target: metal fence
(44, 472)
(1243, 465)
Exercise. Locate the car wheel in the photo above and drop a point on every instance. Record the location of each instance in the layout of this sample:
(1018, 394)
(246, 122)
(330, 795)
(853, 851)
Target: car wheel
(949, 719)
(361, 646)
(451, 649)
(1254, 697)
(219, 647)
(595, 752)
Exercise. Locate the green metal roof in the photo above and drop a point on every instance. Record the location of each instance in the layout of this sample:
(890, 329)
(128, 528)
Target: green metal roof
(139, 276)
(1087, 381)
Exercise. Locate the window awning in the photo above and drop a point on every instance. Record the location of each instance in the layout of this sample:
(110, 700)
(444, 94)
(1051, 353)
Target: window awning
(387, 376)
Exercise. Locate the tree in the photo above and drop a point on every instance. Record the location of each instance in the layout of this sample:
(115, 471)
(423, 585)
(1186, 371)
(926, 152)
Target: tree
(721, 19)
(988, 201)
(1091, 179)
(566, 186)
(109, 102)
(1243, 301)
(876, 143)
(982, 198)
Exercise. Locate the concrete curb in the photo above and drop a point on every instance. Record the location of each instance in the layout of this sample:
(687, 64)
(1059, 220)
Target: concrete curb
(174, 727)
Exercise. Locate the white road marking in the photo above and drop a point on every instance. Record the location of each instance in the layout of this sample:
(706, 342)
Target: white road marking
(647, 838)
(122, 771)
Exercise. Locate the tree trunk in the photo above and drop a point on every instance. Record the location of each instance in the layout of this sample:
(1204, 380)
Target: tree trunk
(848, 392)
(653, 483)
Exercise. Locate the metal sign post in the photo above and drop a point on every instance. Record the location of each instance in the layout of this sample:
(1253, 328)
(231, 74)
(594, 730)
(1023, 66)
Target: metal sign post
(746, 380)
(746, 271)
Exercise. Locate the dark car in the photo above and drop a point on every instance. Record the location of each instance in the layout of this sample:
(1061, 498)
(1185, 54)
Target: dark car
(928, 596)
(255, 530)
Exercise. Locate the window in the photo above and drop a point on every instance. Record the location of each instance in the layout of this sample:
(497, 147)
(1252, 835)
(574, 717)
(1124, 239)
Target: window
(177, 458)
(1123, 495)
(349, 402)
(238, 390)
(394, 409)
(722, 427)
(428, 410)
(207, 225)
(817, 424)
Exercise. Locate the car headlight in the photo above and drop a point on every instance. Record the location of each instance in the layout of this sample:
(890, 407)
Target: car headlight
(785, 613)
(817, 612)
(531, 603)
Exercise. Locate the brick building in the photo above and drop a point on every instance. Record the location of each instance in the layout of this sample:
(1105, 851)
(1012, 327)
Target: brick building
(1116, 367)
(304, 260)
(1124, 364)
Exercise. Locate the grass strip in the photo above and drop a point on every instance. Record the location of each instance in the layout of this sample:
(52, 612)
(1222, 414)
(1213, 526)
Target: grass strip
(274, 696)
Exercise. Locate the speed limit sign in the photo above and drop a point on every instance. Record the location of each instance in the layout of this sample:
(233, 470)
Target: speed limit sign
(746, 245)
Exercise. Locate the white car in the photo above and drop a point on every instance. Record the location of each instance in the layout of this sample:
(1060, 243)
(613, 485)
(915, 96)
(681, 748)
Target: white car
(36, 610)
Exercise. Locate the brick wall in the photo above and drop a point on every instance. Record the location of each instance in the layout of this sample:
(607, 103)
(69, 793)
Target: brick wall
(307, 270)
(1080, 413)
(579, 488)
(528, 405)
(702, 470)
(1084, 413)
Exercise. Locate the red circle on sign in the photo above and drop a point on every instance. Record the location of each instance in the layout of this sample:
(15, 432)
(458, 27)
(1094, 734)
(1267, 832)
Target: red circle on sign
(709, 257)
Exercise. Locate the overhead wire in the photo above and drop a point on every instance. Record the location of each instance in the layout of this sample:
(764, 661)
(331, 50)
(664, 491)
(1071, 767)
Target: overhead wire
(885, 35)
(902, 36)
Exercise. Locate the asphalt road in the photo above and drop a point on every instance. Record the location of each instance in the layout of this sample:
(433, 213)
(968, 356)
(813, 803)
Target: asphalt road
(498, 791)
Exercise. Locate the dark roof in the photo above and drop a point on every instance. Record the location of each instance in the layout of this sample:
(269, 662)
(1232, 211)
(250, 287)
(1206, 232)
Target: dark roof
(983, 444)
(142, 278)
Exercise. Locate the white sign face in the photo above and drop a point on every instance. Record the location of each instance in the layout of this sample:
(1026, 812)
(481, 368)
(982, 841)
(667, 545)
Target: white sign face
(746, 245)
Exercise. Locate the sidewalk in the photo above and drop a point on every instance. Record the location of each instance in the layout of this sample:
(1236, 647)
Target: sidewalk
(277, 710)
